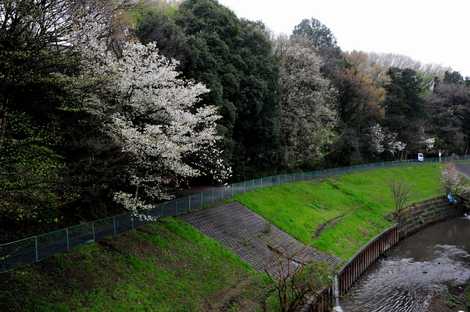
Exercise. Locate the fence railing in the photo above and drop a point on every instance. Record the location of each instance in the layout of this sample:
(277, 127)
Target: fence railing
(359, 264)
(39, 247)
(324, 300)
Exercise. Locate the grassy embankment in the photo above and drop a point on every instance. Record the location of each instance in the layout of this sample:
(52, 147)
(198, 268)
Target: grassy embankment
(339, 215)
(167, 266)
(170, 266)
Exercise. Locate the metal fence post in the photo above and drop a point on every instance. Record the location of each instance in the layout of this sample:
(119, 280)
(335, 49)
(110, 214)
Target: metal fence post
(202, 200)
(189, 202)
(67, 238)
(114, 226)
(132, 222)
(93, 230)
(36, 248)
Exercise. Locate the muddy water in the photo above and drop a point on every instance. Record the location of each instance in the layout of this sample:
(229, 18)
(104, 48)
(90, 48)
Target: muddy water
(419, 268)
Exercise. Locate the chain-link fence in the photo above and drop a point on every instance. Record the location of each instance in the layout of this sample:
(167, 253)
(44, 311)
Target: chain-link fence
(37, 248)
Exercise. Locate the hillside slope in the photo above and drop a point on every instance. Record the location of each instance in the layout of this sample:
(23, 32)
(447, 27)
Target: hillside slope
(166, 266)
(339, 215)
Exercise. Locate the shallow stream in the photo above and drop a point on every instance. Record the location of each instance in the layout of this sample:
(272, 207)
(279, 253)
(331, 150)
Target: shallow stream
(418, 269)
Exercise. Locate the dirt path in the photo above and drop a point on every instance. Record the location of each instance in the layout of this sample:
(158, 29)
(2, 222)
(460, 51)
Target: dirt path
(254, 239)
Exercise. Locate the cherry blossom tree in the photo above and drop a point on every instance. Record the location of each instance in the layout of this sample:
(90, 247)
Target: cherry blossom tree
(451, 180)
(154, 115)
(381, 140)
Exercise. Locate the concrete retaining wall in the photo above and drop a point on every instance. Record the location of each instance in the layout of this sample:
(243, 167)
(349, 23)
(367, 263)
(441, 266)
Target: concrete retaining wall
(428, 212)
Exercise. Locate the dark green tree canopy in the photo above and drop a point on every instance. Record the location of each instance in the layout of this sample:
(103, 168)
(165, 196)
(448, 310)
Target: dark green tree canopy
(318, 33)
(448, 109)
(404, 106)
(56, 165)
(235, 59)
(156, 26)
(453, 78)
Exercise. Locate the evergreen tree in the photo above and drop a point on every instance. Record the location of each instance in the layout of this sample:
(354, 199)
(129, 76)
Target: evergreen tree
(448, 108)
(404, 107)
(234, 58)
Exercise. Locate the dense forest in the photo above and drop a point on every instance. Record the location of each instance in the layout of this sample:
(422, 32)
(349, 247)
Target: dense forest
(111, 105)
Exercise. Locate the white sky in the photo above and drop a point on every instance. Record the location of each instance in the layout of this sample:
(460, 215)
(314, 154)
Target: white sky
(430, 31)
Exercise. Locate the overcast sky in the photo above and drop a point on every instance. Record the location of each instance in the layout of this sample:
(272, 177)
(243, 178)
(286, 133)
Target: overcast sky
(430, 31)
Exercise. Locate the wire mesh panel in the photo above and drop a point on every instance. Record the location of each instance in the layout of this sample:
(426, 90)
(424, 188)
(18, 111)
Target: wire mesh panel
(80, 234)
(124, 223)
(206, 198)
(215, 196)
(258, 183)
(297, 177)
(285, 178)
(219, 194)
(288, 178)
(329, 172)
(195, 201)
(248, 185)
(168, 208)
(313, 175)
(237, 188)
(321, 173)
(142, 220)
(182, 205)
(51, 243)
(267, 181)
(103, 228)
(152, 214)
(253, 184)
(292, 177)
(17, 253)
(228, 192)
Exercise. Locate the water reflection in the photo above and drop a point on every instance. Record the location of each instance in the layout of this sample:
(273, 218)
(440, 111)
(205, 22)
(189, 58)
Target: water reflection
(416, 270)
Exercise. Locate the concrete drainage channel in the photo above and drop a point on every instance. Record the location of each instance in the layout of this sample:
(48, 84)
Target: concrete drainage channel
(414, 219)
(260, 243)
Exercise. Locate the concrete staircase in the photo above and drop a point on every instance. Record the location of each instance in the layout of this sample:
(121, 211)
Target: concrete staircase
(255, 240)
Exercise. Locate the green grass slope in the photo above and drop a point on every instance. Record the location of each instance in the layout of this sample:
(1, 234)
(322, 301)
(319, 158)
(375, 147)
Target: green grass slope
(339, 215)
(167, 266)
